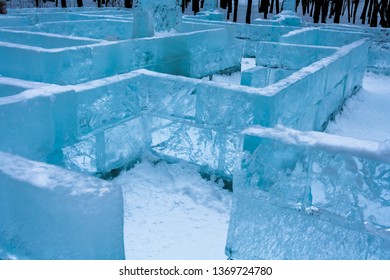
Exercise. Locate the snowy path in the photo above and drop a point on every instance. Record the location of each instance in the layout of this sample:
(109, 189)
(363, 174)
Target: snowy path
(367, 114)
(172, 213)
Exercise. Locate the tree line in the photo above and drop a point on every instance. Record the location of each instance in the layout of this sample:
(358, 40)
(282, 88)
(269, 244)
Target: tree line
(373, 12)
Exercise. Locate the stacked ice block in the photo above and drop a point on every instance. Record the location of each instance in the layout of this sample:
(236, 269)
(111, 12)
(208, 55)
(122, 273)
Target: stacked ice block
(310, 195)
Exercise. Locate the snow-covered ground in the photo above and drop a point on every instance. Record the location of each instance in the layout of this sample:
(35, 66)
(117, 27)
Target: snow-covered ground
(367, 114)
(171, 212)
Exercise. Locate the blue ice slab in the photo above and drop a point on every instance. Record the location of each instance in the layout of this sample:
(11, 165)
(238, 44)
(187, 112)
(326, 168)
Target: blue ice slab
(194, 54)
(106, 102)
(113, 147)
(212, 149)
(46, 41)
(289, 56)
(306, 99)
(166, 14)
(10, 86)
(260, 76)
(10, 21)
(52, 213)
(321, 37)
(38, 121)
(105, 29)
(310, 195)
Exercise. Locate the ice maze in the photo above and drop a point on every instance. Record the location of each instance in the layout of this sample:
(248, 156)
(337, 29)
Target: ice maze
(84, 93)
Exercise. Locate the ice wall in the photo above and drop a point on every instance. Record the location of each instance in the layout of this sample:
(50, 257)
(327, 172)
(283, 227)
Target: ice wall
(83, 130)
(321, 37)
(338, 35)
(165, 13)
(310, 195)
(261, 76)
(43, 40)
(194, 54)
(191, 120)
(52, 213)
(289, 56)
(249, 34)
(37, 121)
(100, 28)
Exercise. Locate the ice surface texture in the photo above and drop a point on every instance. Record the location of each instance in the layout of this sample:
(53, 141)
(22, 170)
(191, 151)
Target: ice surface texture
(194, 53)
(52, 213)
(333, 35)
(310, 195)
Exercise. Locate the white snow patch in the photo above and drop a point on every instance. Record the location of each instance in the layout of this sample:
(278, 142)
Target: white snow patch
(171, 212)
(366, 115)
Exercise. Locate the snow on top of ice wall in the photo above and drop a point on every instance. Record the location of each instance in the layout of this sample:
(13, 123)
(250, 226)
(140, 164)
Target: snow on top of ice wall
(379, 151)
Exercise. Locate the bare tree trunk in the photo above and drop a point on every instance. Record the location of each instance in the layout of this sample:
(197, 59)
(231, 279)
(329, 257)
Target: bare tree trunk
(235, 10)
(183, 6)
(382, 12)
(312, 8)
(325, 9)
(364, 12)
(338, 7)
(355, 7)
(229, 8)
(80, 3)
(3, 8)
(317, 10)
(264, 7)
(388, 13)
(248, 12)
(374, 15)
(128, 4)
(370, 8)
(195, 6)
(304, 4)
(63, 3)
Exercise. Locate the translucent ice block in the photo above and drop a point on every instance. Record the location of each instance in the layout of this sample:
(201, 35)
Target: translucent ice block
(37, 122)
(106, 29)
(214, 150)
(48, 41)
(106, 149)
(52, 213)
(262, 76)
(289, 56)
(310, 195)
(166, 13)
(321, 37)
